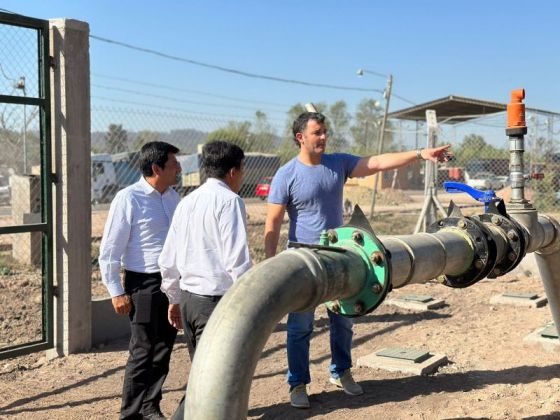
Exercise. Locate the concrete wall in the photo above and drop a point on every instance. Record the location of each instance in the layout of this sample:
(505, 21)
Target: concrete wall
(107, 325)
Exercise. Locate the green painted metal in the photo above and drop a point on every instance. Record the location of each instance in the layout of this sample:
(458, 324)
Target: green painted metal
(413, 355)
(43, 102)
(368, 246)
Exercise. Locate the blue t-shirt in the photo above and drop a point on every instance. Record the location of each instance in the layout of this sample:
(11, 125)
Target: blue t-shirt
(312, 194)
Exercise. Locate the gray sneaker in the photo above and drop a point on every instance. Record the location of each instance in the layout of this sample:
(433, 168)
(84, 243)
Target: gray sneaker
(347, 383)
(298, 397)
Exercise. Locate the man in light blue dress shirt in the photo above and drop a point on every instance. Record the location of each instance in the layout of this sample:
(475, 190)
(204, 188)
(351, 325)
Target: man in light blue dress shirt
(135, 231)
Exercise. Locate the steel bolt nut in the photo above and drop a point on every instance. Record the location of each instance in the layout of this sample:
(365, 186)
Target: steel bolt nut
(441, 278)
(462, 224)
(512, 256)
(512, 235)
(497, 271)
(358, 237)
(359, 307)
(478, 264)
(496, 220)
(376, 257)
(333, 236)
(376, 288)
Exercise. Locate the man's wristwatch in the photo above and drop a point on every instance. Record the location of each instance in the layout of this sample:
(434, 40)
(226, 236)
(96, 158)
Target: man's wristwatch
(419, 154)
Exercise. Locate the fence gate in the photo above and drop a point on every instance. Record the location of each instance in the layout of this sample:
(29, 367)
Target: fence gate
(26, 256)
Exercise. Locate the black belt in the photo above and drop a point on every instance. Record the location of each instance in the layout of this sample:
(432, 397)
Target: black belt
(214, 298)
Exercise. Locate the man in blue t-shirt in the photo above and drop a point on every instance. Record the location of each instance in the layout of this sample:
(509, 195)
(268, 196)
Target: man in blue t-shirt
(310, 188)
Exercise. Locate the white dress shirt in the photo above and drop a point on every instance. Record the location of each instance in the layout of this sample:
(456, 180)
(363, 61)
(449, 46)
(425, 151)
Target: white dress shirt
(206, 248)
(136, 227)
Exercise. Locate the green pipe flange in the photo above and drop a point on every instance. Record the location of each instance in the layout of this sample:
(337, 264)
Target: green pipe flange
(374, 255)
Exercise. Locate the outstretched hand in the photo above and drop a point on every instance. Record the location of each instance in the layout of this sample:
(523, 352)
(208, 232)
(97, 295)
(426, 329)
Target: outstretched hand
(438, 154)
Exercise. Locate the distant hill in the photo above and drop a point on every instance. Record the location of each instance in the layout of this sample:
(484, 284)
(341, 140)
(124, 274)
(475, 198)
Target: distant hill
(185, 139)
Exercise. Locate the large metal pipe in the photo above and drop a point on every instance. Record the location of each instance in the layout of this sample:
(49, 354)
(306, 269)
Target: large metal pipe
(298, 280)
(424, 256)
(295, 280)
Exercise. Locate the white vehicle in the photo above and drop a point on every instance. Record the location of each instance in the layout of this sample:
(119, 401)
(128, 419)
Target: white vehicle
(484, 181)
(103, 178)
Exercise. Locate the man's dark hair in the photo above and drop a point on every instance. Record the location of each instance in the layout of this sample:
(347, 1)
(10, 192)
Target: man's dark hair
(154, 153)
(300, 124)
(218, 157)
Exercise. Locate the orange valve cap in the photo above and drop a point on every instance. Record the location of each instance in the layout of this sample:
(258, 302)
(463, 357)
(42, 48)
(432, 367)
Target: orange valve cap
(516, 109)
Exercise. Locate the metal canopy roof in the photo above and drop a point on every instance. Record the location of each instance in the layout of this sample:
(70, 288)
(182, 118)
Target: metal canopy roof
(455, 109)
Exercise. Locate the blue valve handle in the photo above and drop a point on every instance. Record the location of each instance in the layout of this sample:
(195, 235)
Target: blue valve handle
(485, 197)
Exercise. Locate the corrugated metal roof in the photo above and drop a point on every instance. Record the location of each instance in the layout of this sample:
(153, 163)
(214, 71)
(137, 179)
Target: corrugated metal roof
(455, 109)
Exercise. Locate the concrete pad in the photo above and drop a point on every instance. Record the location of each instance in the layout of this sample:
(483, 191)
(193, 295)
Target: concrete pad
(421, 303)
(521, 299)
(424, 367)
(549, 343)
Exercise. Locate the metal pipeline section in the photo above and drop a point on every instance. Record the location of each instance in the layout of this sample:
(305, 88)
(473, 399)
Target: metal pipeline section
(226, 357)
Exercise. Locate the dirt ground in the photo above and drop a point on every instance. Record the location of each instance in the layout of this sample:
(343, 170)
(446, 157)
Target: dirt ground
(492, 372)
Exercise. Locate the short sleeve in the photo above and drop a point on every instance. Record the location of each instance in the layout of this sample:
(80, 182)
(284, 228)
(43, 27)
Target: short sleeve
(349, 162)
(279, 189)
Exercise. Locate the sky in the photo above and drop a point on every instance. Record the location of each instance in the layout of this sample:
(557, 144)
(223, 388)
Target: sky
(476, 48)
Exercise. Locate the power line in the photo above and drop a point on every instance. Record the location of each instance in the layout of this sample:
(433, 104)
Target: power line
(169, 98)
(104, 98)
(230, 70)
(177, 89)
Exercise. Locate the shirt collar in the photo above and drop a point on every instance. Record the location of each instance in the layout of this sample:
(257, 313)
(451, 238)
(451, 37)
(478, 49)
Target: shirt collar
(217, 181)
(146, 187)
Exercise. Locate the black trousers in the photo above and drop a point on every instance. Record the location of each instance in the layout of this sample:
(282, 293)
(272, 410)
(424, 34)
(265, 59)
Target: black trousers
(150, 347)
(195, 312)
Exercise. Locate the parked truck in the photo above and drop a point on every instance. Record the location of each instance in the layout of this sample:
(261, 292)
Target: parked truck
(257, 167)
(110, 173)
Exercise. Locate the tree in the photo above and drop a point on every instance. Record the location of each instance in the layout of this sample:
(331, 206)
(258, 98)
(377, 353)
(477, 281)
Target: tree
(474, 147)
(365, 129)
(145, 136)
(264, 137)
(238, 133)
(338, 124)
(116, 139)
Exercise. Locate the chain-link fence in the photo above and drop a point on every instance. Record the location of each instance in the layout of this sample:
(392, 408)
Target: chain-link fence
(481, 149)
(21, 259)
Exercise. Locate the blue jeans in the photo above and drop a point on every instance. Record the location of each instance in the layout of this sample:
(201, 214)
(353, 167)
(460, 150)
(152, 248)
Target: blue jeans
(300, 327)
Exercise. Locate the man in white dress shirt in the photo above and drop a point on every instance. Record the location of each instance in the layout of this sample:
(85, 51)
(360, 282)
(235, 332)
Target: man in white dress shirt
(206, 248)
(135, 231)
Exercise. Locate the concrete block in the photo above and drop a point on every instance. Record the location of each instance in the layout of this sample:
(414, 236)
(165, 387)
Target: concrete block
(547, 342)
(106, 324)
(424, 303)
(528, 300)
(423, 367)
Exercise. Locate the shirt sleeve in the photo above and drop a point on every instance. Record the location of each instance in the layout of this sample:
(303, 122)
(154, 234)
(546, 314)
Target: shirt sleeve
(279, 193)
(233, 232)
(167, 261)
(349, 161)
(114, 242)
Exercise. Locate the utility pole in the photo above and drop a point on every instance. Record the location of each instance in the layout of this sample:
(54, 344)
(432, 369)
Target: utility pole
(387, 95)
